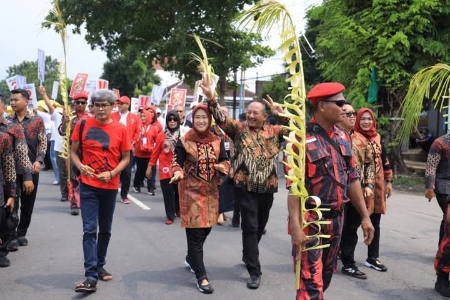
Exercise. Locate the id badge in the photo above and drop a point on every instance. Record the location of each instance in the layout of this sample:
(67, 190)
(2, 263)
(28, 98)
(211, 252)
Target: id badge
(227, 146)
(144, 140)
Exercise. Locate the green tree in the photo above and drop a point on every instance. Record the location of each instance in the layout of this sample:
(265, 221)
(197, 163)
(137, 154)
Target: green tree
(398, 37)
(130, 74)
(29, 70)
(162, 31)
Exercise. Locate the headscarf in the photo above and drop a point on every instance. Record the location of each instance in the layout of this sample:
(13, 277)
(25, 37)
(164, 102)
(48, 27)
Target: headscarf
(372, 132)
(172, 135)
(148, 117)
(155, 117)
(193, 134)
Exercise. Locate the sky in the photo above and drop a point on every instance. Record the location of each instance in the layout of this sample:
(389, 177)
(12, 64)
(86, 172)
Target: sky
(21, 21)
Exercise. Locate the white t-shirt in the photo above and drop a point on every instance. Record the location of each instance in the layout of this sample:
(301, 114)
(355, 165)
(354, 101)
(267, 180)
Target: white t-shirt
(57, 117)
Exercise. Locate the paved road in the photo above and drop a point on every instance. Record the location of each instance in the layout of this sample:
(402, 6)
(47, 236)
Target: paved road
(146, 256)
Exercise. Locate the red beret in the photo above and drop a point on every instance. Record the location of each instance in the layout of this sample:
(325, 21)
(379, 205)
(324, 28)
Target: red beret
(82, 94)
(125, 99)
(324, 90)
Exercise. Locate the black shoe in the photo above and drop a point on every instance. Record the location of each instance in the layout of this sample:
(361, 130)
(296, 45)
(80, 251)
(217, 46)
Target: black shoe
(264, 231)
(22, 241)
(74, 211)
(235, 224)
(254, 282)
(13, 245)
(374, 263)
(4, 262)
(442, 285)
(64, 199)
(205, 288)
(354, 272)
(187, 263)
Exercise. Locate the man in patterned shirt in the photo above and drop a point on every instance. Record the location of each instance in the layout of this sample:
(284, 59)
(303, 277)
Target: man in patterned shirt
(21, 158)
(34, 129)
(330, 174)
(437, 183)
(255, 171)
(7, 192)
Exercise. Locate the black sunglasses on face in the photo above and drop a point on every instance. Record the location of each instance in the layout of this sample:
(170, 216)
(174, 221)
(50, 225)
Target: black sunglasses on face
(80, 102)
(171, 119)
(339, 103)
(351, 114)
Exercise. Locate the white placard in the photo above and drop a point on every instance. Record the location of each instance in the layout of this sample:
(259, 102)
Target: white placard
(31, 89)
(55, 90)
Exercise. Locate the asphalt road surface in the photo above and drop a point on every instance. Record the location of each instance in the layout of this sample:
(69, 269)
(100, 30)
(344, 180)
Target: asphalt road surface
(146, 256)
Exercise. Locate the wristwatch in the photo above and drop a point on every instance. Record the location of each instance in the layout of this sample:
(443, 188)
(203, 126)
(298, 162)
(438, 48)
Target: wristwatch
(369, 185)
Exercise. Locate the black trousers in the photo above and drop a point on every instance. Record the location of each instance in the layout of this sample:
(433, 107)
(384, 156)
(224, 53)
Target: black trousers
(255, 209)
(442, 201)
(141, 167)
(168, 191)
(125, 178)
(349, 237)
(4, 234)
(62, 167)
(195, 239)
(26, 204)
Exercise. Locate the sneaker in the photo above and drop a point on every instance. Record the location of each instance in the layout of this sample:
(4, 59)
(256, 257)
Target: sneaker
(22, 241)
(125, 201)
(136, 189)
(13, 245)
(253, 282)
(188, 265)
(4, 262)
(56, 182)
(152, 193)
(374, 263)
(74, 211)
(354, 272)
(64, 199)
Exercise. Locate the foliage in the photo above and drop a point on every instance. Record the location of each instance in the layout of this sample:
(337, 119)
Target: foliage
(161, 30)
(29, 69)
(277, 88)
(398, 37)
(129, 73)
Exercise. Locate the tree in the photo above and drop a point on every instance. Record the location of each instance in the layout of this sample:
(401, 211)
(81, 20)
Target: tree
(130, 74)
(398, 37)
(29, 69)
(162, 31)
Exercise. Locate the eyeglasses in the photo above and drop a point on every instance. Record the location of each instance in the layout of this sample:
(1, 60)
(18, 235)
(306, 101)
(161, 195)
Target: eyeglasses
(101, 106)
(80, 102)
(339, 103)
(351, 114)
(172, 119)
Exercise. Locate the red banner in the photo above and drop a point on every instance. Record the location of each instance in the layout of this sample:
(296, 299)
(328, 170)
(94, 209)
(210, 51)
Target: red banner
(79, 84)
(177, 97)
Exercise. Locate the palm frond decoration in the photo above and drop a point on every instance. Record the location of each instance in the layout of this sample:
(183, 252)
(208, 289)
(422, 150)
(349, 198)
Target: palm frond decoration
(203, 61)
(262, 17)
(430, 83)
(60, 26)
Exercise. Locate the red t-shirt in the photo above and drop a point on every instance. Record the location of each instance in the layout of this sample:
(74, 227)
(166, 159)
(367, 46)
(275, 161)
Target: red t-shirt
(102, 146)
(164, 154)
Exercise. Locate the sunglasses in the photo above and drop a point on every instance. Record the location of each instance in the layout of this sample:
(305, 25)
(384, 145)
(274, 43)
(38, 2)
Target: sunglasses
(171, 119)
(80, 102)
(339, 103)
(351, 114)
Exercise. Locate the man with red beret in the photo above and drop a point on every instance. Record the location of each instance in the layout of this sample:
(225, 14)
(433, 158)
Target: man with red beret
(133, 125)
(331, 176)
(79, 102)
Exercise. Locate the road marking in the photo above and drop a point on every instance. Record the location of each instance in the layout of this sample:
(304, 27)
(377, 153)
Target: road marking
(137, 202)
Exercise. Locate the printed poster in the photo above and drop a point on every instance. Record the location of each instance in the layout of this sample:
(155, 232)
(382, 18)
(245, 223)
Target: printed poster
(79, 84)
(177, 97)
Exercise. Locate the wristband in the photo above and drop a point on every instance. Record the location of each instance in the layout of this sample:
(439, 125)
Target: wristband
(389, 181)
(110, 173)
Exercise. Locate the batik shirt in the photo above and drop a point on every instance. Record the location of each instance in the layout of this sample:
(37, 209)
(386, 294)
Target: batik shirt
(255, 161)
(7, 168)
(437, 172)
(34, 129)
(20, 147)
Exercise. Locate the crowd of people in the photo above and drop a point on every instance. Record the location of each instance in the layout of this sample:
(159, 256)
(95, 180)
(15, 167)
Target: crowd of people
(207, 166)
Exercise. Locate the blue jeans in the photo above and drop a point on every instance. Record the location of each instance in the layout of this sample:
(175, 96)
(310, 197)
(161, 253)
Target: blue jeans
(53, 159)
(97, 207)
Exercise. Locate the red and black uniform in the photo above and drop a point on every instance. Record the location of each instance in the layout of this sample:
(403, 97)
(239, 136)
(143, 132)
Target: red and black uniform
(328, 174)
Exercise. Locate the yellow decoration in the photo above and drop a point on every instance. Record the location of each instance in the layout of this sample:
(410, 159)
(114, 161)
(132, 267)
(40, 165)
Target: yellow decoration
(262, 17)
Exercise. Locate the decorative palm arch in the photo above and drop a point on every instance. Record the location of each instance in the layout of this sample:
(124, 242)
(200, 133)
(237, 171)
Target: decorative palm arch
(430, 83)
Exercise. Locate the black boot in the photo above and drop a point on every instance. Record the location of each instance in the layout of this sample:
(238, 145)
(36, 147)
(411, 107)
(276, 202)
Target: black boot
(442, 285)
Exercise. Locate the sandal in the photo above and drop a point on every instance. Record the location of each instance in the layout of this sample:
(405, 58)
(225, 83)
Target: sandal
(88, 286)
(103, 274)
